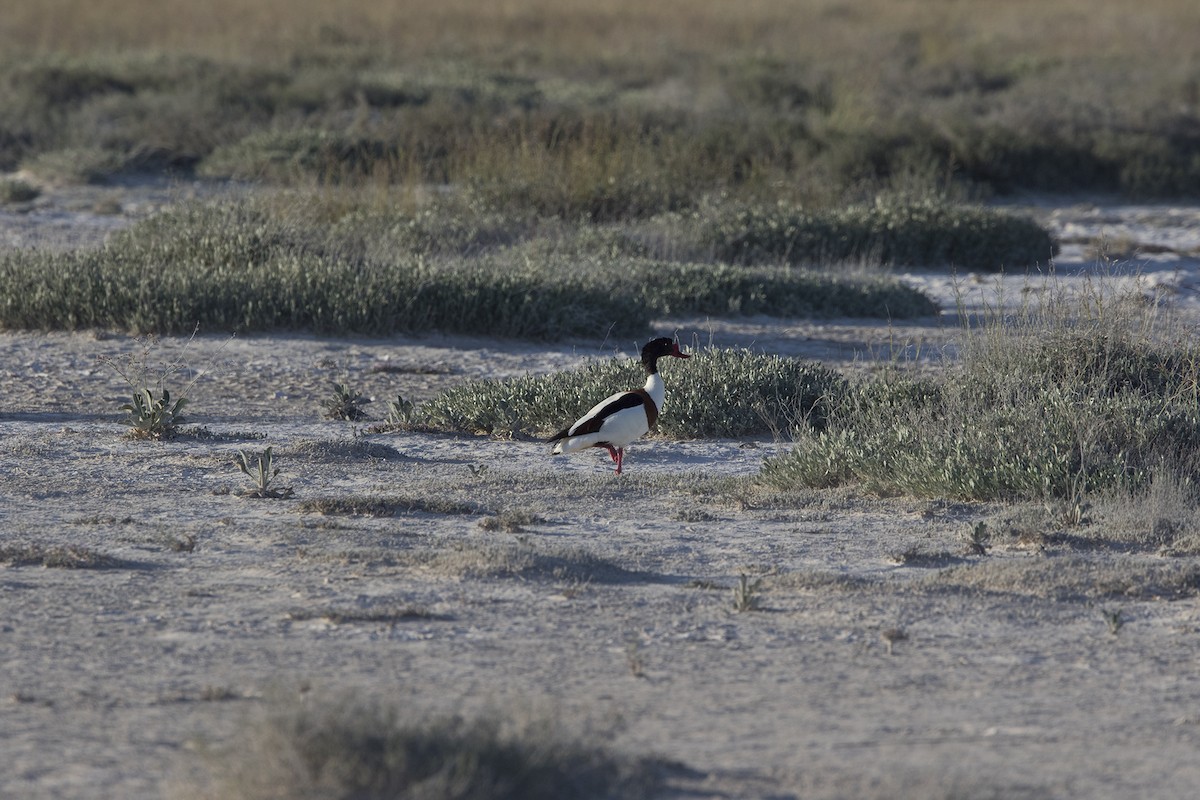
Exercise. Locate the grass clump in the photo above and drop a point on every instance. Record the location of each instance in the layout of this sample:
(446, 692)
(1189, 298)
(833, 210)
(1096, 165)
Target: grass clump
(1066, 400)
(716, 393)
(927, 232)
(1072, 578)
(61, 557)
(14, 191)
(345, 403)
(371, 750)
(363, 506)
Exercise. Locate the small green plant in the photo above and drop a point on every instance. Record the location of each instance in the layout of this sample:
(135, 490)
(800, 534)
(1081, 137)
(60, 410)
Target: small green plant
(978, 540)
(151, 417)
(400, 411)
(152, 413)
(745, 593)
(261, 470)
(345, 403)
(1114, 619)
(892, 635)
(635, 658)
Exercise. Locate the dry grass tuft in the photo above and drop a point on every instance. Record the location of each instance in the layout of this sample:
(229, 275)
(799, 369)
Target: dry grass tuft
(64, 557)
(390, 506)
(340, 452)
(489, 559)
(1072, 577)
(351, 748)
(389, 614)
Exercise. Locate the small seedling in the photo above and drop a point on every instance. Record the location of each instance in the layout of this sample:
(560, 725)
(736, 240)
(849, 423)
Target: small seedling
(634, 658)
(978, 540)
(745, 594)
(478, 470)
(892, 635)
(345, 403)
(153, 418)
(261, 470)
(1114, 619)
(400, 411)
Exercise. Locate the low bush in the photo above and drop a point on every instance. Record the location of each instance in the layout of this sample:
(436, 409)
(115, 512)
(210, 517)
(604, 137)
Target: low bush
(716, 393)
(260, 265)
(14, 190)
(728, 290)
(907, 233)
(1040, 443)
(1065, 401)
(234, 268)
(288, 157)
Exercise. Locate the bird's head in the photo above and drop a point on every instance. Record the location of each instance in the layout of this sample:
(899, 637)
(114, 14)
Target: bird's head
(657, 348)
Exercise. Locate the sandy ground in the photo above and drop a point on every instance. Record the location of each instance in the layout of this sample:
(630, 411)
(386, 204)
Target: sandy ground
(882, 661)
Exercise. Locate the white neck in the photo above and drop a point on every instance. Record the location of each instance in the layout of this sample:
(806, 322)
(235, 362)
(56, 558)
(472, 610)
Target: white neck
(654, 388)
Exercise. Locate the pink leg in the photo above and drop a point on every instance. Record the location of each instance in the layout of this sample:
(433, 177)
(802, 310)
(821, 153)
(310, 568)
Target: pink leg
(620, 458)
(612, 452)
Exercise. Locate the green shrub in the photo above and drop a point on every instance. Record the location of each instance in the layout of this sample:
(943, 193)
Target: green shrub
(716, 393)
(728, 290)
(1047, 443)
(266, 265)
(1056, 404)
(234, 268)
(617, 260)
(918, 233)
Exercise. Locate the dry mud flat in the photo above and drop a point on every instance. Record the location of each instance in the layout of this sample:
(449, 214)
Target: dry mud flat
(881, 659)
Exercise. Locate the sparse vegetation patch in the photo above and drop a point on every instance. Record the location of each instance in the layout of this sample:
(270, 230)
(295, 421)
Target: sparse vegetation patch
(63, 557)
(372, 751)
(387, 506)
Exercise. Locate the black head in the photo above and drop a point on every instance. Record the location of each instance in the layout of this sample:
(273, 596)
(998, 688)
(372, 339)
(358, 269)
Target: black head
(656, 349)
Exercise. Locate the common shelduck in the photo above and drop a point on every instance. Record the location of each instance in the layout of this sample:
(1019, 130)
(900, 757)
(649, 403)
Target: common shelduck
(624, 417)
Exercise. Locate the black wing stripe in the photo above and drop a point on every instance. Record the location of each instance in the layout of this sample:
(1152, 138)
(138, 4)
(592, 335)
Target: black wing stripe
(619, 403)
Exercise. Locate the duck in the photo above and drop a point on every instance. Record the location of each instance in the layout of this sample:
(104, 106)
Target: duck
(615, 422)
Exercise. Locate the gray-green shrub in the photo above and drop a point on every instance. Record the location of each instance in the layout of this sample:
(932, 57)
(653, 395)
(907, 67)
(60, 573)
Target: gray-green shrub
(1050, 403)
(261, 265)
(716, 393)
(925, 232)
